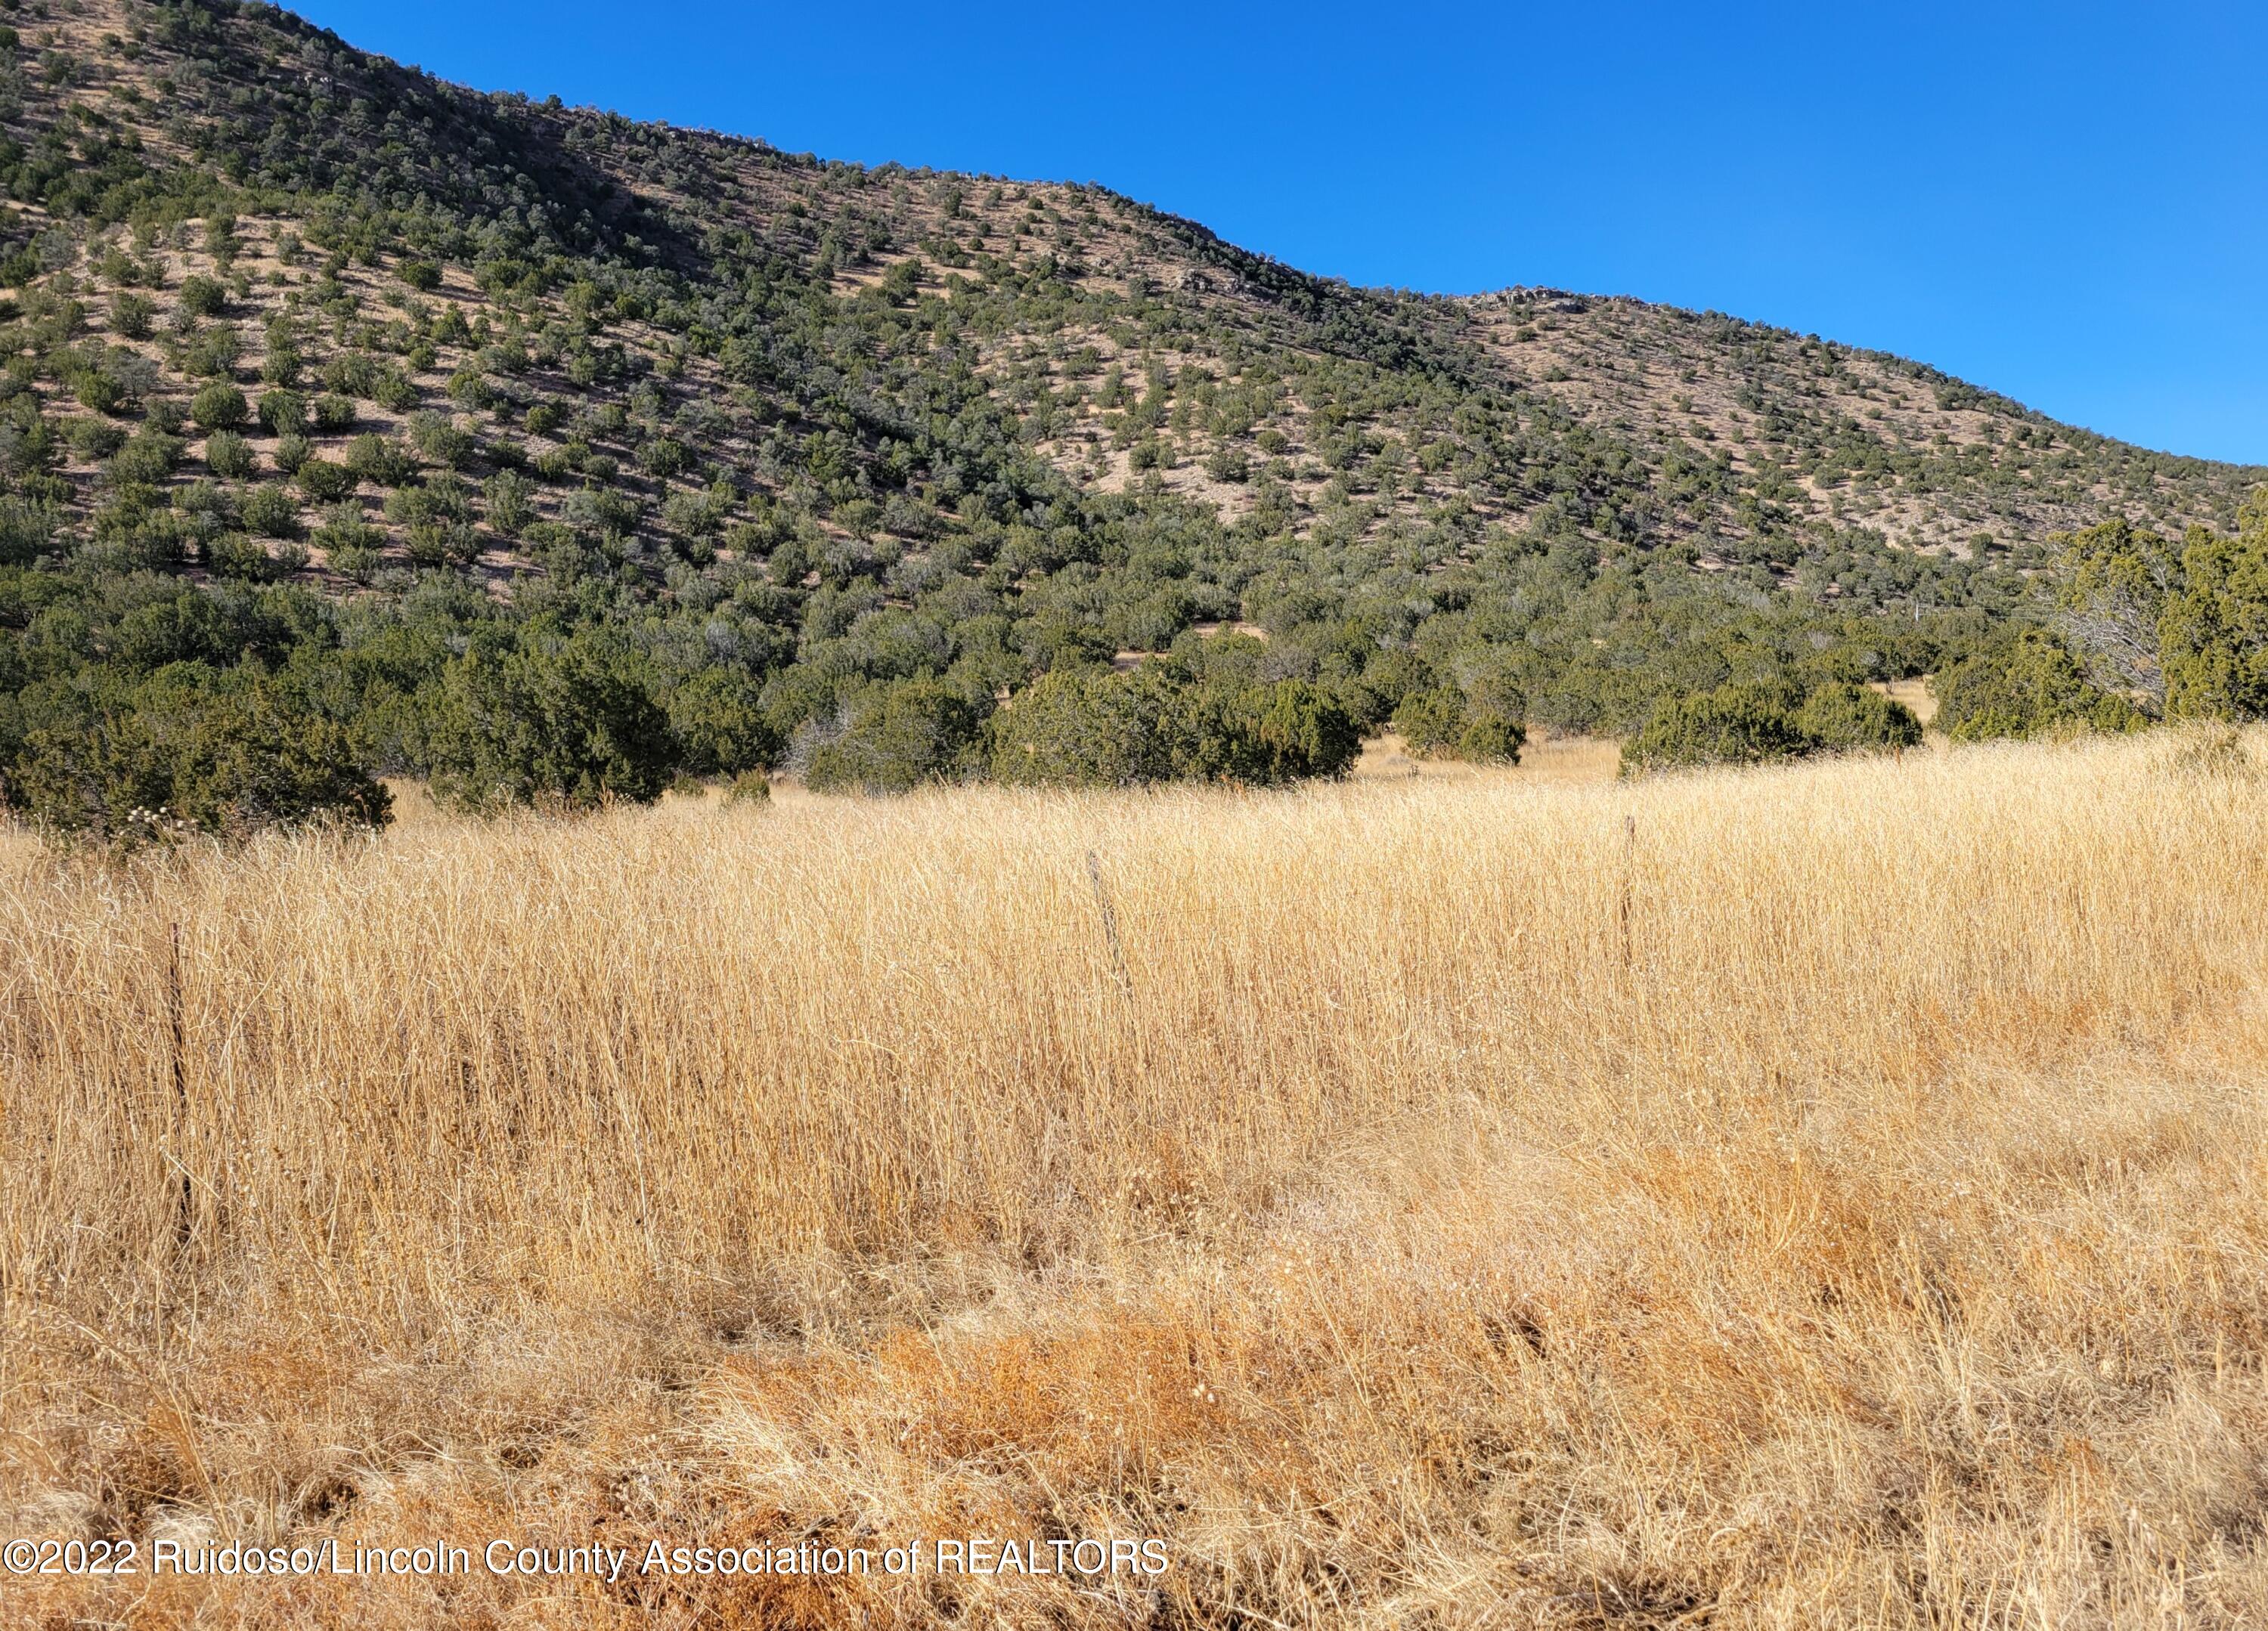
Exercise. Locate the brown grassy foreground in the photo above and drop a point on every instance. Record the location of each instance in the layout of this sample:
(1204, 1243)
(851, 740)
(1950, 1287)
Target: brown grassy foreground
(1836, 1197)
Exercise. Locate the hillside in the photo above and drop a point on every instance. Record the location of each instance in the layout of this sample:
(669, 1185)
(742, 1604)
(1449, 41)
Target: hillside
(799, 434)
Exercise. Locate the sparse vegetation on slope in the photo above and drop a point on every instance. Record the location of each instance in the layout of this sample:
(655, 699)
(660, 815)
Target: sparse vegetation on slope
(315, 364)
(1817, 1196)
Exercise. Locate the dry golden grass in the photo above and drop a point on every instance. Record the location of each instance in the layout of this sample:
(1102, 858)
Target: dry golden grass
(1832, 1196)
(1549, 760)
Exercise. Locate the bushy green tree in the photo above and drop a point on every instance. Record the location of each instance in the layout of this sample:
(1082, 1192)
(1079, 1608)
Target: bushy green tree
(1739, 724)
(131, 314)
(565, 723)
(189, 749)
(1087, 727)
(1301, 730)
(721, 728)
(2116, 581)
(441, 441)
(2026, 685)
(1091, 727)
(1492, 736)
(905, 735)
(292, 452)
(325, 483)
(234, 555)
(1843, 717)
(380, 461)
(27, 532)
(2213, 631)
(1429, 720)
(148, 456)
(1443, 721)
(509, 508)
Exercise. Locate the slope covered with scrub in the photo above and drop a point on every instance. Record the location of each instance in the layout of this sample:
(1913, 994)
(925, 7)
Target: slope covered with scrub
(389, 371)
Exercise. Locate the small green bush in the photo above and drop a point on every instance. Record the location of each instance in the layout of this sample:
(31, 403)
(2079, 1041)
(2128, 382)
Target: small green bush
(665, 457)
(282, 365)
(284, 413)
(292, 452)
(219, 406)
(130, 315)
(228, 454)
(440, 541)
(270, 510)
(93, 439)
(233, 554)
(393, 393)
(98, 394)
(358, 561)
(351, 373)
(509, 509)
(441, 441)
(202, 296)
(325, 483)
(379, 460)
(469, 390)
(349, 542)
(212, 354)
(147, 457)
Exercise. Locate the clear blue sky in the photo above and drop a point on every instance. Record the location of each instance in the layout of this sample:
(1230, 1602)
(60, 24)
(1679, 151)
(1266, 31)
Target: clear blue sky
(2061, 202)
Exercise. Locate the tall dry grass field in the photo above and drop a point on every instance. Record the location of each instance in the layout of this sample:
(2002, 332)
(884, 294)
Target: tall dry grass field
(1826, 1197)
